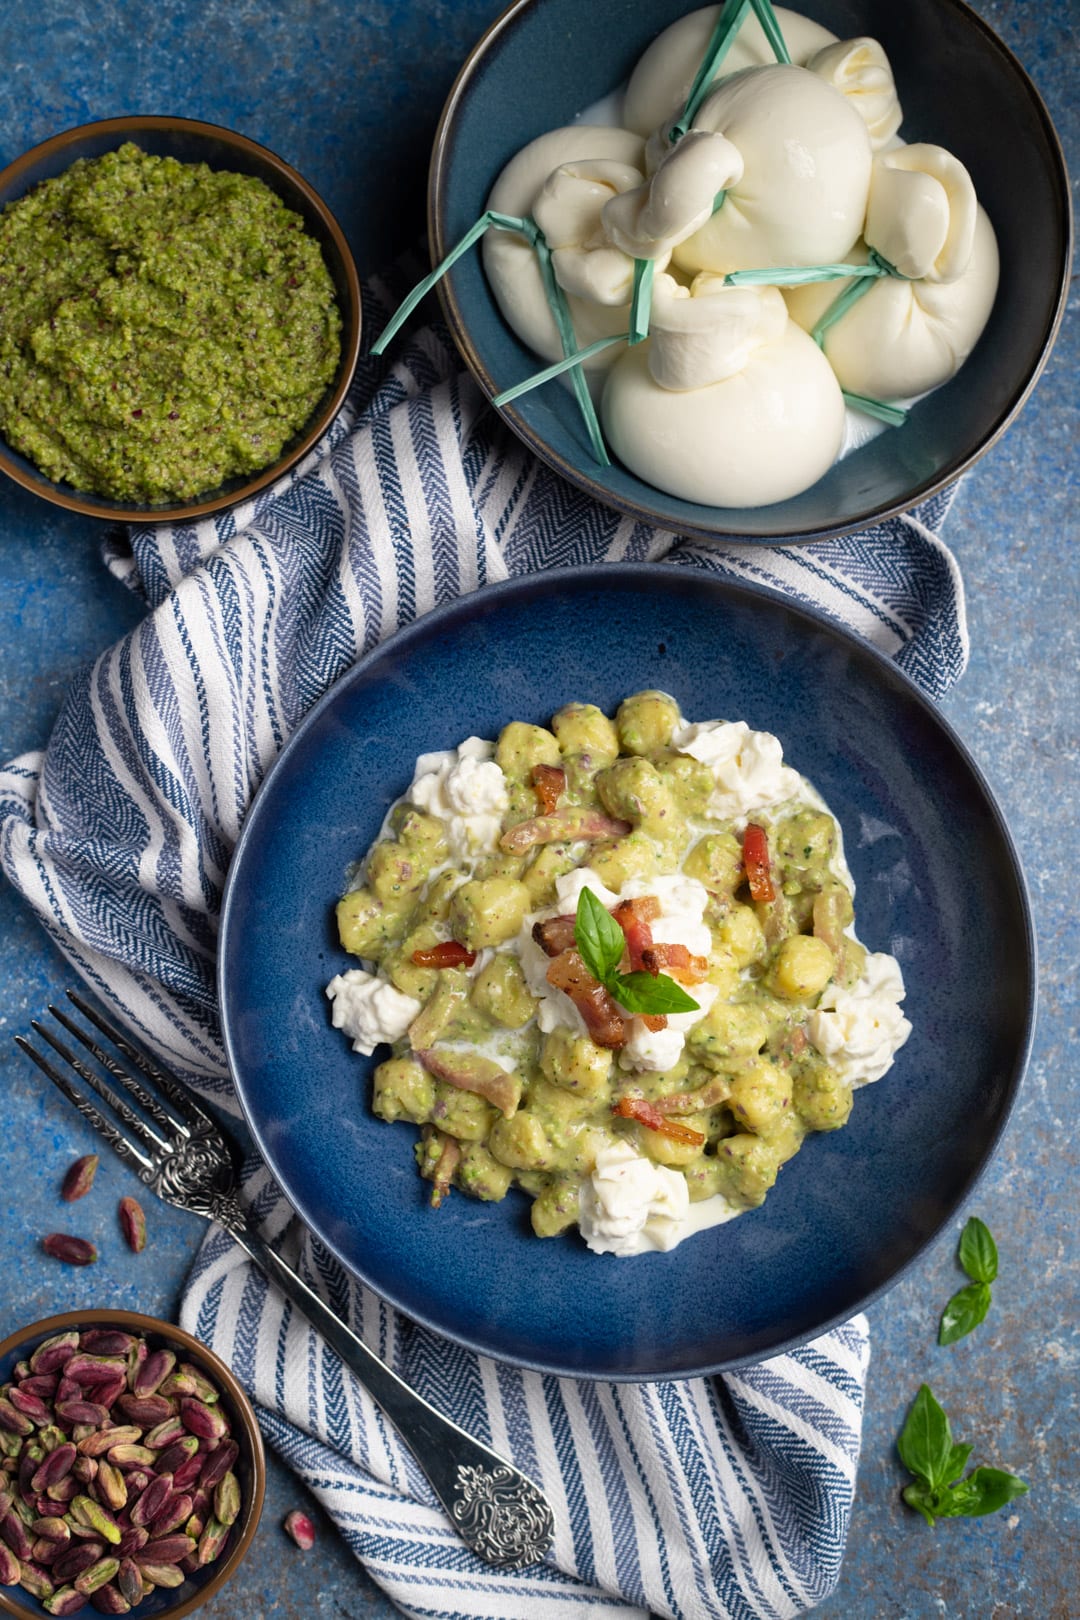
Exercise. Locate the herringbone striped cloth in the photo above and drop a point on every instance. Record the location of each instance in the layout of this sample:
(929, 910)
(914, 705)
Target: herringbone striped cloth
(726, 1497)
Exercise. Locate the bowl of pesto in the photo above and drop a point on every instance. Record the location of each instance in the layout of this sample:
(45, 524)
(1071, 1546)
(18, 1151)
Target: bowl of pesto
(180, 320)
(897, 900)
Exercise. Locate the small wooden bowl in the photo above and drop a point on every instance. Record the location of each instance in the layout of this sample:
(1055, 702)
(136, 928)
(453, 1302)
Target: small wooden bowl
(190, 141)
(250, 1467)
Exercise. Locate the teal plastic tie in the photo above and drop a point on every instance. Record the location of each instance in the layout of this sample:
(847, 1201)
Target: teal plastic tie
(560, 309)
(727, 26)
(801, 275)
(559, 368)
(877, 268)
(893, 415)
(503, 222)
(641, 302)
(770, 24)
(554, 294)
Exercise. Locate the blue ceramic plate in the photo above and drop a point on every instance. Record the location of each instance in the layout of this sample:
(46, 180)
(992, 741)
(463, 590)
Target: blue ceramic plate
(939, 885)
(544, 61)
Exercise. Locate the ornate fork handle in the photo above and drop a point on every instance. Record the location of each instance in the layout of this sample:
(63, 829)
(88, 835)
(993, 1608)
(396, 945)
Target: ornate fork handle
(499, 1513)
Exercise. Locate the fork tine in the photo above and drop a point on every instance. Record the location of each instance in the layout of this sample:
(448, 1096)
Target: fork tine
(145, 1133)
(177, 1093)
(161, 1115)
(130, 1151)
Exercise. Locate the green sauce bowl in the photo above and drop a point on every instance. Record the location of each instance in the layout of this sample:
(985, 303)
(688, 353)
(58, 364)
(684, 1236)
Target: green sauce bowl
(190, 141)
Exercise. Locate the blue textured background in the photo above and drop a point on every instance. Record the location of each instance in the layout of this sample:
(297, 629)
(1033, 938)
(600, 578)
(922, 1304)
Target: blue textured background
(349, 93)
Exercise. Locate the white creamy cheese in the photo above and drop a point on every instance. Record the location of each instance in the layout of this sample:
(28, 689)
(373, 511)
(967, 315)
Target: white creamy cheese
(748, 766)
(467, 791)
(369, 1009)
(629, 1205)
(860, 1030)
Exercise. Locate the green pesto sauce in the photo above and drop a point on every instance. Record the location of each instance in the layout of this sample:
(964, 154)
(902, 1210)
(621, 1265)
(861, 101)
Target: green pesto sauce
(163, 327)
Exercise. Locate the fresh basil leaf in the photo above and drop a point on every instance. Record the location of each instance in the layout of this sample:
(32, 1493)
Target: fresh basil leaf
(990, 1489)
(966, 1309)
(646, 993)
(598, 937)
(926, 1443)
(978, 1252)
(922, 1500)
(957, 1462)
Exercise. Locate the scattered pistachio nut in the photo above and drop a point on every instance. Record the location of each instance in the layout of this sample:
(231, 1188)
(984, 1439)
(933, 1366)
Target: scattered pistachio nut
(133, 1224)
(79, 1178)
(116, 1472)
(301, 1529)
(73, 1251)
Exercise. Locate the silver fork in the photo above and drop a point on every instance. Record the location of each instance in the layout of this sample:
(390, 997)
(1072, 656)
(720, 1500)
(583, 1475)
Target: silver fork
(179, 1152)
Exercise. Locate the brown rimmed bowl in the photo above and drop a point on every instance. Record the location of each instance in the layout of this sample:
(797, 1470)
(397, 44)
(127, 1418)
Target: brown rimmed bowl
(543, 62)
(190, 141)
(250, 1467)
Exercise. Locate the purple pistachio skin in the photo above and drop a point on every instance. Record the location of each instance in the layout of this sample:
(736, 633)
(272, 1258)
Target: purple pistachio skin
(79, 1178)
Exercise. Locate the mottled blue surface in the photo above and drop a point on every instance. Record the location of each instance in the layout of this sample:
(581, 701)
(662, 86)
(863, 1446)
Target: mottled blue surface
(350, 94)
(855, 1206)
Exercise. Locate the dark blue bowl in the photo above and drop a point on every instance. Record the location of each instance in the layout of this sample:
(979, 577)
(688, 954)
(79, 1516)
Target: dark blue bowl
(939, 885)
(545, 61)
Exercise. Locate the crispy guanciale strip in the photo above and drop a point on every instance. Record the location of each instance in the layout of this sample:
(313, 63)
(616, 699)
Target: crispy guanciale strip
(563, 826)
(549, 785)
(677, 961)
(712, 1092)
(647, 1114)
(442, 1170)
(634, 918)
(555, 935)
(654, 1021)
(448, 954)
(755, 851)
(469, 1071)
(603, 1020)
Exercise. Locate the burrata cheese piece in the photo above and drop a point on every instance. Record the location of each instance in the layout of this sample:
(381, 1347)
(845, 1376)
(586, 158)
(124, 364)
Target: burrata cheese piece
(510, 262)
(665, 72)
(806, 159)
(728, 403)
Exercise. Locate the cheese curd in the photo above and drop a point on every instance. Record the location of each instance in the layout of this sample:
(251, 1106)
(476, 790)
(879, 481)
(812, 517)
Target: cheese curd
(466, 790)
(629, 1205)
(747, 766)
(643, 1064)
(861, 1030)
(369, 1010)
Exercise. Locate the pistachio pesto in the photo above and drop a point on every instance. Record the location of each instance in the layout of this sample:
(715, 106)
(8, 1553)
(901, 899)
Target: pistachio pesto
(164, 326)
(725, 871)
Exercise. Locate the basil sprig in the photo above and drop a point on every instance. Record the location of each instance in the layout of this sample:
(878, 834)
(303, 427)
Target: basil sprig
(968, 1306)
(601, 942)
(928, 1451)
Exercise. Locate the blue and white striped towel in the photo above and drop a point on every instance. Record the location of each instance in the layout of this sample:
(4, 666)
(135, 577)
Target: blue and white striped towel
(727, 1497)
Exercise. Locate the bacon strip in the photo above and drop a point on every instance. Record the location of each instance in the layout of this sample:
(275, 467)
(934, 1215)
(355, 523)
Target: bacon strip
(647, 1114)
(468, 1071)
(555, 935)
(448, 954)
(634, 917)
(603, 1020)
(563, 826)
(549, 784)
(692, 1102)
(677, 961)
(654, 1021)
(756, 861)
